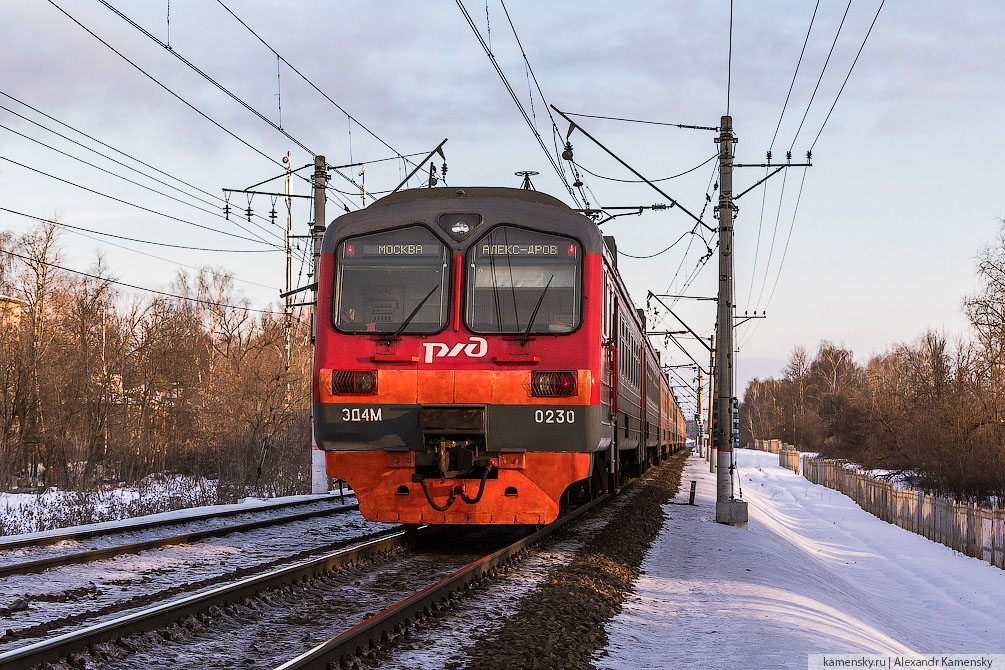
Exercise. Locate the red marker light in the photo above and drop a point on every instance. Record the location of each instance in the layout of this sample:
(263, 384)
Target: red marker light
(349, 250)
(572, 249)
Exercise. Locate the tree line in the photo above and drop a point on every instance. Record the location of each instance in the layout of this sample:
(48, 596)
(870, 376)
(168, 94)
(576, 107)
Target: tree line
(98, 385)
(930, 411)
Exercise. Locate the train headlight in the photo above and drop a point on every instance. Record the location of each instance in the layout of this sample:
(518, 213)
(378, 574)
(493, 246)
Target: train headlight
(354, 382)
(459, 226)
(553, 384)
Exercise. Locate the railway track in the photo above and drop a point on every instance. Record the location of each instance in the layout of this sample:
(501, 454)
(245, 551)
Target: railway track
(42, 564)
(48, 538)
(53, 649)
(357, 639)
(362, 639)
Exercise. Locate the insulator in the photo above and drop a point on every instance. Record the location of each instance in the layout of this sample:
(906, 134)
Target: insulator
(226, 211)
(769, 156)
(443, 170)
(788, 155)
(272, 214)
(567, 152)
(247, 213)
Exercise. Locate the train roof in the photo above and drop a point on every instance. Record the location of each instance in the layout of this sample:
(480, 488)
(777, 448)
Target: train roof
(414, 195)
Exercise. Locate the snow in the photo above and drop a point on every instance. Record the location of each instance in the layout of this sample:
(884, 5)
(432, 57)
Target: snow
(126, 524)
(813, 573)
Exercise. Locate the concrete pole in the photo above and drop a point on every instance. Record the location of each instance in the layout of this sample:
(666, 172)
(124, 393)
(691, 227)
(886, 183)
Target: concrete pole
(710, 425)
(319, 474)
(727, 509)
(699, 437)
(287, 242)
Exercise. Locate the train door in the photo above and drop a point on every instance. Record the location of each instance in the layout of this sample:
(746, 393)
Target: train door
(609, 374)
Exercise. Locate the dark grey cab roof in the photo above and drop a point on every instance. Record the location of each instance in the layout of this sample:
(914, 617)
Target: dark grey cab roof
(496, 205)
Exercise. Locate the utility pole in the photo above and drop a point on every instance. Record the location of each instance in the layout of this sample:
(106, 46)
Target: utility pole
(319, 474)
(288, 310)
(698, 429)
(728, 509)
(710, 442)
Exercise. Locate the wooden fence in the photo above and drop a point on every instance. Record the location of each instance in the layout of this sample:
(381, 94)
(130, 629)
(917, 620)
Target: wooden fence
(772, 446)
(970, 529)
(788, 457)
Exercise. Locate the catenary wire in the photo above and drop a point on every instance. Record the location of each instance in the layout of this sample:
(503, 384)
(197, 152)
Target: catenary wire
(28, 259)
(131, 204)
(516, 101)
(174, 262)
(847, 76)
(127, 155)
(639, 181)
(820, 78)
(290, 65)
(133, 239)
(171, 91)
(135, 183)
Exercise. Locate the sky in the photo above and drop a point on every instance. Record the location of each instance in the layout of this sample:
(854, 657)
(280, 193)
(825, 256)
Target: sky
(902, 195)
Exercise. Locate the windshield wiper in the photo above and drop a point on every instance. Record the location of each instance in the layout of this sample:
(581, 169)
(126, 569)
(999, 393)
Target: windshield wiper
(408, 319)
(533, 315)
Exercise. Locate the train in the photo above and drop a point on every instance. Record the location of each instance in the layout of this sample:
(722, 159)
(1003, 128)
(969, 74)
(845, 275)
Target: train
(478, 360)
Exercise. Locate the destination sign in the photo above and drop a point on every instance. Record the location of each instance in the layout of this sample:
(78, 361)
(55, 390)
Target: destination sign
(391, 249)
(488, 249)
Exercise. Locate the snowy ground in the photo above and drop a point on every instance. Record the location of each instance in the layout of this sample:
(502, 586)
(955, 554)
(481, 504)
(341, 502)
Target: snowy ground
(812, 574)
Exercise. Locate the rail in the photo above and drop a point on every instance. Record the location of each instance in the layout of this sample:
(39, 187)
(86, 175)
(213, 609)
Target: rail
(53, 649)
(46, 539)
(41, 564)
(360, 638)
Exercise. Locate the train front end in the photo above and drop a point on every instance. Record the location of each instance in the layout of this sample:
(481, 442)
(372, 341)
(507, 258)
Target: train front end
(457, 357)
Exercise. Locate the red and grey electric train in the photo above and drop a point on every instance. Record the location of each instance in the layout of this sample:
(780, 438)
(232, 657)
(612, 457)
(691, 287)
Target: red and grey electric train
(479, 361)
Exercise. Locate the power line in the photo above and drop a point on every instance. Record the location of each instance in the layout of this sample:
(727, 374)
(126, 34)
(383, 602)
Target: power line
(314, 86)
(133, 239)
(173, 262)
(218, 85)
(206, 76)
(131, 204)
(675, 242)
(165, 87)
(126, 179)
(108, 146)
(138, 288)
(794, 75)
(862, 46)
(516, 101)
(764, 192)
(530, 71)
(654, 123)
(640, 181)
(126, 165)
(820, 78)
(176, 95)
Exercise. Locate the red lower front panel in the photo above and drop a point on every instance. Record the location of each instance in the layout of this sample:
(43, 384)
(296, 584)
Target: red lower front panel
(539, 480)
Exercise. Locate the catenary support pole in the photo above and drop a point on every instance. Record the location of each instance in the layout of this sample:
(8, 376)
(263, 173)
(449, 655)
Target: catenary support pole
(728, 509)
(710, 424)
(319, 474)
(699, 439)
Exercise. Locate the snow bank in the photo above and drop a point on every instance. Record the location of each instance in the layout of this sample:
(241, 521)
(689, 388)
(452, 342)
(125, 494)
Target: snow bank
(813, 573)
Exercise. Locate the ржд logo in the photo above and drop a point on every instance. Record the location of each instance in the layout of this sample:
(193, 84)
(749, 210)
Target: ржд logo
(476, 347)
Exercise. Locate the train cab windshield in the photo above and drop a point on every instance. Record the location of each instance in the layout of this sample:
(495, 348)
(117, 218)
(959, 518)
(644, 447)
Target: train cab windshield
(392, 278)
(522, 281)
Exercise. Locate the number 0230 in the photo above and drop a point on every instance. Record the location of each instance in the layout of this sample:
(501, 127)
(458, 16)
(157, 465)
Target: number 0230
(554, 416)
